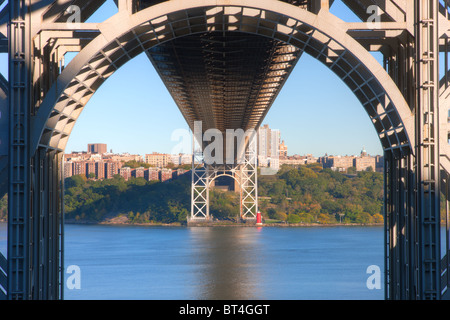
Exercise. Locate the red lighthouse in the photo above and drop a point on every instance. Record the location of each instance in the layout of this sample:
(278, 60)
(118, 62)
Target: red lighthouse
(258, 219)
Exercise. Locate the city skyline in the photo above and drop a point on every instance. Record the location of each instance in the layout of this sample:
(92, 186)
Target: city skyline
(149, 152)
(97, 163)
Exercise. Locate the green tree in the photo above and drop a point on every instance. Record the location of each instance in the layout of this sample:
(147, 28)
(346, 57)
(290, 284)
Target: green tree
(351, 170)
(279, 215)
(293, 218)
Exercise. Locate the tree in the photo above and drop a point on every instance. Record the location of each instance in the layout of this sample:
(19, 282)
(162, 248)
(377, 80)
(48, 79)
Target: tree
(133, 164)
(351, 170)
(130, 215)
(280, 216)
(293, 218)
(271, 212)
(364, 218)
(326, 218)
(306, 217)
(75, 181)
(378, 218)
(182, 215)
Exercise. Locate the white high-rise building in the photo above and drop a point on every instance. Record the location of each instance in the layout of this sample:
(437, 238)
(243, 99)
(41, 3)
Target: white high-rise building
(268, 147)
(264, 141)
(274, 143)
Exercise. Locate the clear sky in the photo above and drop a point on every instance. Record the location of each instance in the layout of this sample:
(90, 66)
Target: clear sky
(315, 112)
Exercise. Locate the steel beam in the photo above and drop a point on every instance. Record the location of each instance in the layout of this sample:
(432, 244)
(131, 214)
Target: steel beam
(249, 180)
(427, 147)
(19, 153)
(3, 277)
(401, 252)
(204, 174)
(445, 262)
(47, 225)
(33, 198)
(200, 179)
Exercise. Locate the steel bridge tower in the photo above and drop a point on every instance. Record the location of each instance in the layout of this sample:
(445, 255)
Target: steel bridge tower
(243, 171)
(224, 63)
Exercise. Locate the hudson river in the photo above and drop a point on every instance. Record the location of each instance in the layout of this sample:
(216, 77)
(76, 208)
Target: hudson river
(171, 263)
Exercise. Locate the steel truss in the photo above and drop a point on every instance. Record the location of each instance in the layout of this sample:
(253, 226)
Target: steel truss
(204, 174)
(427, 147)
(405, 99)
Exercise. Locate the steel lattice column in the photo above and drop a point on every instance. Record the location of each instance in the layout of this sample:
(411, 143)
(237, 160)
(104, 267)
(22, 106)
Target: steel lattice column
(34, 197)
(46, 224)
(200, 179)
(249, 181)
(445, 280)
(19, 154)
(427, 147)
(401, 240)
(243, 171)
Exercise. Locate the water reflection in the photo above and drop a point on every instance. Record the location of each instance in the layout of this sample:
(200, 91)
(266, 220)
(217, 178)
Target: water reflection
(229, 258)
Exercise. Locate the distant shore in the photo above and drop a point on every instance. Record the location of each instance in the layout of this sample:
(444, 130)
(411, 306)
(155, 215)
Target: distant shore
(114, 222)
(223, 224)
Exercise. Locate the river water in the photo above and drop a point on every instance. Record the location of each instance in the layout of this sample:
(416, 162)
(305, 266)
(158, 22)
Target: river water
(206, 263)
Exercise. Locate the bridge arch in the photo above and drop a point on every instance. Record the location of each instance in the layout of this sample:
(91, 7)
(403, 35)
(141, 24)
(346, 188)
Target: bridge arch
(222, 175)
(234, 177)
(124, 36)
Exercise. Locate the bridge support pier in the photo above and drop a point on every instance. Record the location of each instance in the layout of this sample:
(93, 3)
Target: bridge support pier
(35, 239)
(412, 182)
(35, 190)
(244, 174)
(19, 192)
(401, 229)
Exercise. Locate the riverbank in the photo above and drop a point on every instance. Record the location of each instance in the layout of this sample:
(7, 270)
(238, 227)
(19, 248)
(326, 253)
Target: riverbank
(221, 224)
(120, 221)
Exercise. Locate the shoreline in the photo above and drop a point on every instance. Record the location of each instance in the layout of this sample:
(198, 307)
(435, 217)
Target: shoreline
(225, 224)
(219, 224)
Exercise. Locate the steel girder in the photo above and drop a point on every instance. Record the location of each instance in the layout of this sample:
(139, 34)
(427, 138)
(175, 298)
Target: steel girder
(412, 206)
(220, 78)
(19, 219)
(397, 98)
(204, 174)
(427, 147)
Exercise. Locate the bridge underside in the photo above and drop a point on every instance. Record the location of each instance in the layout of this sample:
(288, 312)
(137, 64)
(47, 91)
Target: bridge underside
(226, 80)
(224, 62)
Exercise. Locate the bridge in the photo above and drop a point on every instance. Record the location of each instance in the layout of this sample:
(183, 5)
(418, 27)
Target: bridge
(224, 62)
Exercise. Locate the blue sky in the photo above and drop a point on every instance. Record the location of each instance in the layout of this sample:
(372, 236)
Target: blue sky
(133, 111)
